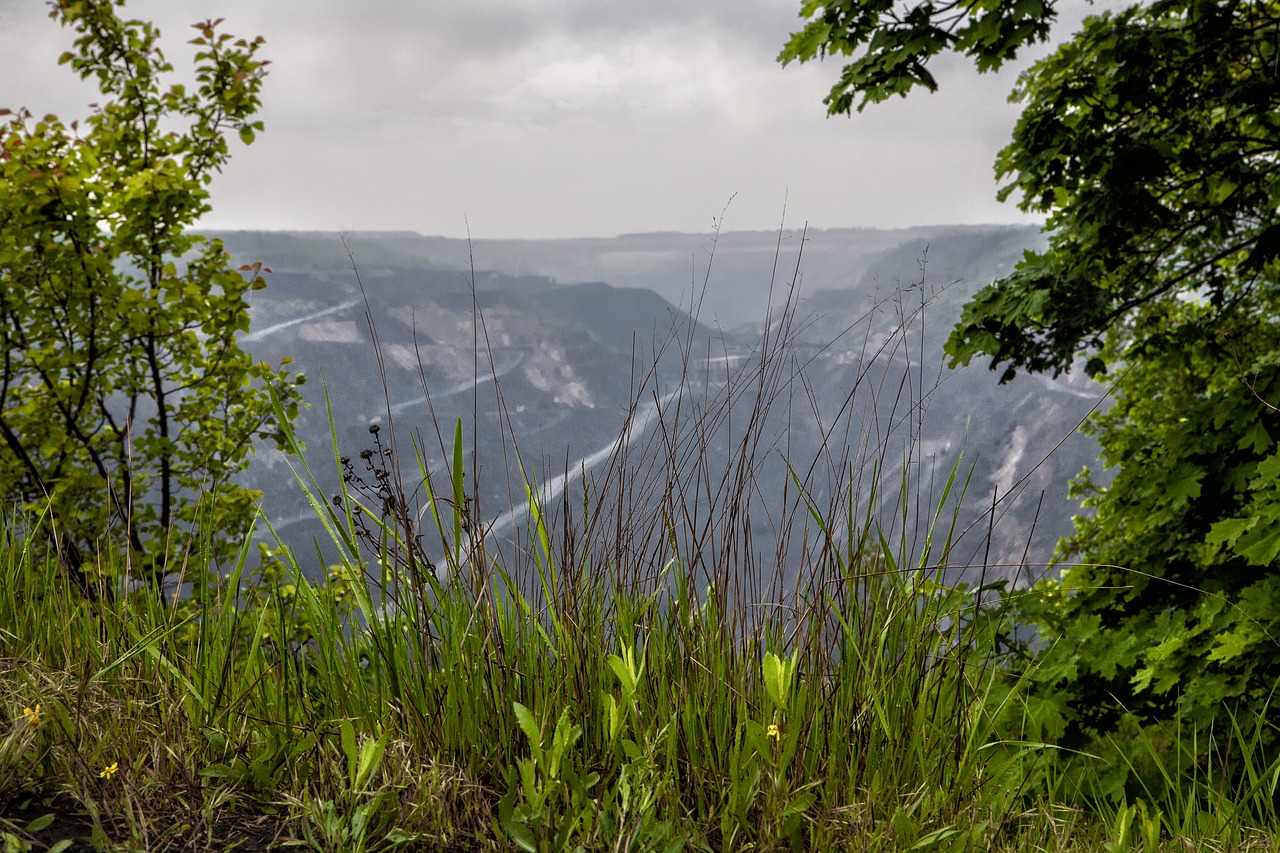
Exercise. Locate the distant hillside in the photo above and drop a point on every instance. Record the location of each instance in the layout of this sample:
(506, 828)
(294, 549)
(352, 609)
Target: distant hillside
(570, 328)
(738, 269)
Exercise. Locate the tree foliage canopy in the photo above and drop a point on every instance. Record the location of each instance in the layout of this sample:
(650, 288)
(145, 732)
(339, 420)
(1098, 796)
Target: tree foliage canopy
(1151, 141)
(125, 400)
(894, 47)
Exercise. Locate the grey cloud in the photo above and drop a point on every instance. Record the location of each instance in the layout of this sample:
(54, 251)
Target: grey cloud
(557, 117)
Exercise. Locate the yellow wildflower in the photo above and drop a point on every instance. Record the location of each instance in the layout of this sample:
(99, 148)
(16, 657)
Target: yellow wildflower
(32, 715)
(109, 770)
(774, 731)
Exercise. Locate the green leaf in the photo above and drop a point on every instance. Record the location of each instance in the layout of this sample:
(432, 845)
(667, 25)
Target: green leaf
(777, 673)
(1233, 644)
(532, 731)
(800, 803)
(623, 674)
(350, 749)
(371, 752)
(1227, 531)
(40, 823)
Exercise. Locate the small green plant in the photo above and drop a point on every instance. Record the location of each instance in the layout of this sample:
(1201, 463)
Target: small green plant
(549, 801)
(1135, 828)
(359, 819)
(632, 796)
(786, 805)
(761, 799)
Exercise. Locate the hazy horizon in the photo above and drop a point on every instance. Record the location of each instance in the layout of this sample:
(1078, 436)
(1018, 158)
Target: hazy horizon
(786, 229)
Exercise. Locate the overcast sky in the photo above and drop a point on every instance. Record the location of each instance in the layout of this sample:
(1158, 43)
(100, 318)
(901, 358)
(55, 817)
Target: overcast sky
(556, 118)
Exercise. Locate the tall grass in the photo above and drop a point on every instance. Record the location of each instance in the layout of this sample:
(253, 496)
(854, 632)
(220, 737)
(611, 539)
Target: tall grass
(638, 670)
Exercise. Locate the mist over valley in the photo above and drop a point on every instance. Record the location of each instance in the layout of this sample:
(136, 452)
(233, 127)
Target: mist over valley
(568, 361)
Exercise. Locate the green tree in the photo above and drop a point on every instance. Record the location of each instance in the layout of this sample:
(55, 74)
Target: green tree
(1150, 140)
(126, 403)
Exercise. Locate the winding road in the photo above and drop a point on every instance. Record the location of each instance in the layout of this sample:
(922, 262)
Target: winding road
(271, 330)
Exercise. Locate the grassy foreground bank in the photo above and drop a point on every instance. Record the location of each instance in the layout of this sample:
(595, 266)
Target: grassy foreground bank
(613, 685)
(873, 715)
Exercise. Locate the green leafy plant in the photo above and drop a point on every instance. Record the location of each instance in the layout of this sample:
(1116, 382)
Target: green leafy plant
(631, 798)
(550, 804)
(775, 745)
(126, 401)
(1148, 142)
(360, 818)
